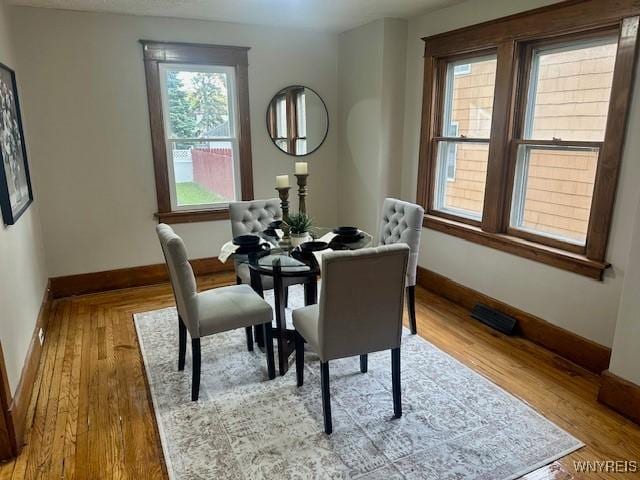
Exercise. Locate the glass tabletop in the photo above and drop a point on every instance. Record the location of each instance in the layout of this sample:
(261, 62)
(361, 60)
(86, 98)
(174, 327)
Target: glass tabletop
(293, 260)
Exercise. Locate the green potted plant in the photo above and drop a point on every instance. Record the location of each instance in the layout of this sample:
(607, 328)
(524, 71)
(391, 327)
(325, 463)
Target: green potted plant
(299, 225)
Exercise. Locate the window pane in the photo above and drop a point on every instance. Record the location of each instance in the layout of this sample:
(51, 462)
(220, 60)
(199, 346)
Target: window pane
(281, 117)
(569, 91)
(553, 190)
(301, 114)
(461, 177)
(203, 173)
(283, 144)
(198, 104)
(301, 146)
(469, 98)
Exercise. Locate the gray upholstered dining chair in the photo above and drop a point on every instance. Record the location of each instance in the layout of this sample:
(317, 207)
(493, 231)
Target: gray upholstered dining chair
(402, 223)
(360, 312)
(211, 311)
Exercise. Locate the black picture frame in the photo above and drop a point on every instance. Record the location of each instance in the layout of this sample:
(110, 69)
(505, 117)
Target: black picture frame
(14, 171)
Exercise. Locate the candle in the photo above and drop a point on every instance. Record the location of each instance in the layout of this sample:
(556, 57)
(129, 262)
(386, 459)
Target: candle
(301, 168)
(282, 181)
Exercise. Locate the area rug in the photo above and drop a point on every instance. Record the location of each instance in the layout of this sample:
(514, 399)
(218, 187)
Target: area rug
(455, 425)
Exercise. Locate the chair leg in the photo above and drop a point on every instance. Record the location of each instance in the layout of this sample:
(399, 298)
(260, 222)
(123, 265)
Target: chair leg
(267, 335)
(326, 397)
(195, 382)
(411, 303)
(182, 343)
(395, 376)
(364, 363)
(286, 297)
(299, 359)
(259, 335)
(249, 332)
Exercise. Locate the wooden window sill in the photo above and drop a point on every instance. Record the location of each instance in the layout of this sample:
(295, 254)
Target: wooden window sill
(191, 216)
(572, 262)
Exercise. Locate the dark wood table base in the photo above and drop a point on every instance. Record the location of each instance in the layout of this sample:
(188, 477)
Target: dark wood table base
(285, 337)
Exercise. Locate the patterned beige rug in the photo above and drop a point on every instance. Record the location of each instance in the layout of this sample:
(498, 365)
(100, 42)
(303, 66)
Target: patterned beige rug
(456, 424)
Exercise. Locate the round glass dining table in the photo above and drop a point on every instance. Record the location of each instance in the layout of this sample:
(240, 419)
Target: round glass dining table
(290, 266)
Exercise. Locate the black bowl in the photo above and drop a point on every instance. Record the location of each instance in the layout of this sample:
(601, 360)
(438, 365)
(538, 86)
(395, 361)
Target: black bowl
(277, 224)
(340, 239)
(246, 240)
(313, 246)
(346, 231)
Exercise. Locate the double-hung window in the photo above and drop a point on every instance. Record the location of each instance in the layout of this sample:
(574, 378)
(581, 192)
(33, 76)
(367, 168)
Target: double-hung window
(287, 120)
(198, 106)
(199, 111)
(523, 129)
(560, 138)
(463, 146)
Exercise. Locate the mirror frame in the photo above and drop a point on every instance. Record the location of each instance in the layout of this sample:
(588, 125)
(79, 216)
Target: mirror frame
(326, 133)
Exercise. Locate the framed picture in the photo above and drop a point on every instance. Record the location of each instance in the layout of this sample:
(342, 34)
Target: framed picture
(15, 184)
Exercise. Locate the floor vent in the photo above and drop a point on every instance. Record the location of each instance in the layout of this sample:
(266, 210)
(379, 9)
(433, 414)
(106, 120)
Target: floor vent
(497, 320)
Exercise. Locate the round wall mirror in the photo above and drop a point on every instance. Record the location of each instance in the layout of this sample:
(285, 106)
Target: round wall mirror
(297, 120)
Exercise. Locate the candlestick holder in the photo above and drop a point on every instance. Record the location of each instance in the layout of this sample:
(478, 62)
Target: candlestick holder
(283, 193)
(302, 192)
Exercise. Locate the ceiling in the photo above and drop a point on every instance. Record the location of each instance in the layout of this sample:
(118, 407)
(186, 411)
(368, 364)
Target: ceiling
(329, 15)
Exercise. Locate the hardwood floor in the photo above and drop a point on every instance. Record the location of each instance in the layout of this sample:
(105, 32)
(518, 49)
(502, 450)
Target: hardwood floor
(91, 416)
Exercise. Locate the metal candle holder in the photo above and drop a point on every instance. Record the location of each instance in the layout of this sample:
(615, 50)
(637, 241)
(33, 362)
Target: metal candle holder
(302, 192)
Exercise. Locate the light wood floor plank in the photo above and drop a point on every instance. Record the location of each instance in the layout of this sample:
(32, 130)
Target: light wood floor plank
(6, 470)
(43, 394)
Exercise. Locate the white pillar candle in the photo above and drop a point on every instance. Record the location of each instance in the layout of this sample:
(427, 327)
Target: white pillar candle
(282, 181)
(301, 168)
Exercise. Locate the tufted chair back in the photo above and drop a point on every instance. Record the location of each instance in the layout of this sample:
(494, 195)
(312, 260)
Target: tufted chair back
(182, 278)
(253, 216)
(402, 223)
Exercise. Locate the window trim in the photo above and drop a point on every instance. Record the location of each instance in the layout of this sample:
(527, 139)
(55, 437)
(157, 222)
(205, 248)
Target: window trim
(509, 36)
(157, 53)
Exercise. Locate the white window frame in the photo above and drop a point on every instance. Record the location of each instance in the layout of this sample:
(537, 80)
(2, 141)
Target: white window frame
(452, 154)
(233, 129)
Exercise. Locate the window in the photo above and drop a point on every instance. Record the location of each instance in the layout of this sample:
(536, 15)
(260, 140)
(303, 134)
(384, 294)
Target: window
(463, 146)
(301, 123)
(201, 147)
(569, 87)
(200, 127)
(523, 131)
(287, 120)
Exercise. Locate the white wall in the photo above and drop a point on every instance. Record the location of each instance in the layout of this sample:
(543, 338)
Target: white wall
(85, 100)
(625, 358)
(370, 77)
(23, 277)
(359, 123)
(584, 306)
